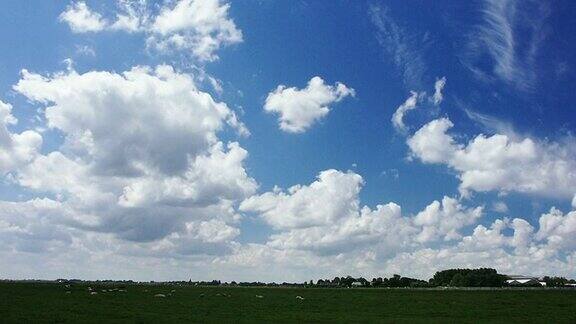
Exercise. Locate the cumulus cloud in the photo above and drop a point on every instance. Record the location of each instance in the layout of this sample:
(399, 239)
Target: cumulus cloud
(444, 219)
(198, 27)
(499, 162)
(326, 217)
(384, 241)
(82, 19)
(16, 150)
(141, 158)
(333, 196)
(299, 109)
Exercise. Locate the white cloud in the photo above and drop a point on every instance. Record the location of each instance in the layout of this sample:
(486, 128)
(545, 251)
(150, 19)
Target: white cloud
(362, 242)
(15, 149)
(558, 230)
(444, 219)
(412, 102)
(333, 196)
(325, 216)
(299, 109)
(498, 37)
(313, 242)
(133, 15)
(438, 88)
(498, 162)
(399, 44)
(145, 108)
(198, 27)
(85, 50)
(82, 19)
(398, 116)
(500, 207)
(141, 157)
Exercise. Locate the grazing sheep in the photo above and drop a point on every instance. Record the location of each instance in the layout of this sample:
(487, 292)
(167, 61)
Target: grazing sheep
(89, 288)
(160, 295)
(68, 292)
(93, 293)
(201, 295)
(259, 296)
(300, 297)
(173, 290)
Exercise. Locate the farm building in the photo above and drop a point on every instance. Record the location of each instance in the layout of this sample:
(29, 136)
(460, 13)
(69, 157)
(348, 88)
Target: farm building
(515, 280)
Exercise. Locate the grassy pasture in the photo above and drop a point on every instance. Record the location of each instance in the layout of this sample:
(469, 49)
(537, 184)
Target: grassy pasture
(43, 302)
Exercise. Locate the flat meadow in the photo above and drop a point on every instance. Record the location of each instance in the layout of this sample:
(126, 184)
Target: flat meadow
(50, 302)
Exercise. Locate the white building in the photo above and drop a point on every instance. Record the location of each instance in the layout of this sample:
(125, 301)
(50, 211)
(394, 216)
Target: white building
(516, 280)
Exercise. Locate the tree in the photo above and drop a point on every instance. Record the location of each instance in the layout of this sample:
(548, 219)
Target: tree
(483, 277)
(458, 280)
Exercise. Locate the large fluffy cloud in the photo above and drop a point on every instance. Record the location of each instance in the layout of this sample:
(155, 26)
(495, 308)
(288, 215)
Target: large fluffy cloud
(499, 162)
(382, 240)
(200, 27)
(333, 196)
(123, 122)
(140, 158)
(197, 25)
(299, 109)
(325, 216)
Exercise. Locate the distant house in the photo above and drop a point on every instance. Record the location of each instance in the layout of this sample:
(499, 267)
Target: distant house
(516, 280)
(357, 284)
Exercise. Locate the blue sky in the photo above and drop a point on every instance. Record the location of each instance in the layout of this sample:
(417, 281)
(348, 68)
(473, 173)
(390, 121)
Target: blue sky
(188, 193)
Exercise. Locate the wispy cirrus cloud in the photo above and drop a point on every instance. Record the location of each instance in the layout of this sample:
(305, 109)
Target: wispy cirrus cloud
(506, 43)
(401, 46)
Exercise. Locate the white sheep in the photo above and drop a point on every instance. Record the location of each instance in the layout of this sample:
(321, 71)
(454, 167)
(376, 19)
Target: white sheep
(300, 297)
(160, 295)
(259, 296)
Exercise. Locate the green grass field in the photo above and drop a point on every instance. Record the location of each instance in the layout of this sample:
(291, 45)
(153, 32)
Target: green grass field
(34, 302)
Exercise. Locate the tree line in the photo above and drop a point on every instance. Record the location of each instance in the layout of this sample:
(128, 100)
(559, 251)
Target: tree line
(482, 277)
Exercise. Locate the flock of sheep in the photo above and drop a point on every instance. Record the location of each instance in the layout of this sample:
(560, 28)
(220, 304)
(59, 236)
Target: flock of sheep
(93, 292)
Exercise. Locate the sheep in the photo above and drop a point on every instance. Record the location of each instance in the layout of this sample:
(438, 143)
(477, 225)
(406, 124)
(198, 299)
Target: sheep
(68, 292)
(300, 297)
(259, 296)
(160, 295)
(173, 290)
(93, 293)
